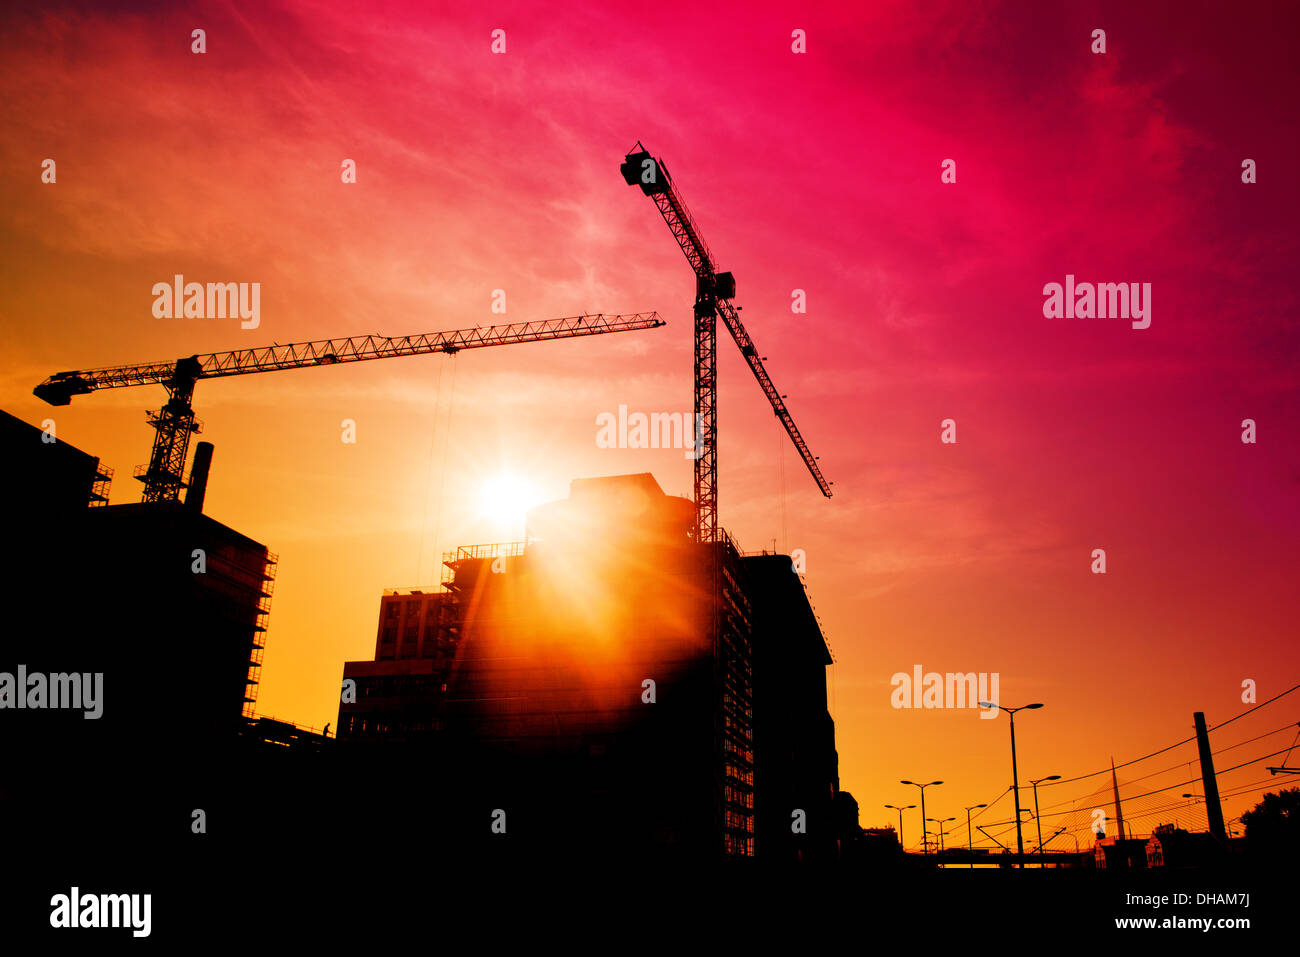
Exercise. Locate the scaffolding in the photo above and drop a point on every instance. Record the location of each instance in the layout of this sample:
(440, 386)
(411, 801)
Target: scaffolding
(733, 682)
(450, 609)
(99, 484)
(258, 647)
(494, 550)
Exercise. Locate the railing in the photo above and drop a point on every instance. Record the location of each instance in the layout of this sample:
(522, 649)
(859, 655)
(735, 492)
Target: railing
(100, 484)
(495, 550)
(285, 726)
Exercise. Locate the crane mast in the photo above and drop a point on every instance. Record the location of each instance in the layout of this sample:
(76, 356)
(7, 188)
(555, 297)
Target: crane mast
(175, 422)
(714, 292)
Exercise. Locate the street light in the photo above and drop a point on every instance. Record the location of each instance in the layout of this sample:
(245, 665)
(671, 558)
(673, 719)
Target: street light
(900, 811)
(925, 840)
(970, 843)
(1038, 820)
(941, 821)
(1015, 777)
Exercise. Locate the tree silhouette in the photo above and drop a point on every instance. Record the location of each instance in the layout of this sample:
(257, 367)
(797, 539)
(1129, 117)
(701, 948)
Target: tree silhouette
(1273, 825)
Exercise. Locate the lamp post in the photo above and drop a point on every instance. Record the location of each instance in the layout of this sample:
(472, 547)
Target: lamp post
(925, 839)
(1015, 777)
(900, 811)
(970, 843)
(941, 821)
(1038, 821)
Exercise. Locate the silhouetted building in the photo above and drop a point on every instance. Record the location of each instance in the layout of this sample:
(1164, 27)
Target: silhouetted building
(397, 695)
(46, 477)
(1171, 846)
(877, 849)
(590, 686)
(197, 596)
(157, 609)
(795, 762)
(1120, 854)
(408, 625)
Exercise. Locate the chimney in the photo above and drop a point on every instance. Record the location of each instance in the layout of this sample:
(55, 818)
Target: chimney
(198, 486)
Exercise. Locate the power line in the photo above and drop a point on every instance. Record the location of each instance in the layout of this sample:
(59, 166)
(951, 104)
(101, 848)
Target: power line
(1136, 797)
(1144, 812)
(1083, 777)
(1191, 809)
(1290, 749)
(1178, 744)
(1256, 708)
(1285, 727)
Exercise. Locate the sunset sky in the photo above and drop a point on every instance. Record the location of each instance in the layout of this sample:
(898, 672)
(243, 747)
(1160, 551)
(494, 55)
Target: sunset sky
(817, 171)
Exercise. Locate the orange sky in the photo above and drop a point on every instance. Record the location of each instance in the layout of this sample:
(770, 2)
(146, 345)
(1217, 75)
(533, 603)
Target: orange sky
(479, 172)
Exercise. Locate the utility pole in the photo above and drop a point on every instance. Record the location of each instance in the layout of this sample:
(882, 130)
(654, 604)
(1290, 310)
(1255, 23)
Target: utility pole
(970, 841)
(1213, 809)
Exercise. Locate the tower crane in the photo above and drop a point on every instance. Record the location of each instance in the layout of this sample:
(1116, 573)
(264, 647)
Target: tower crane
(174, 423)
(714, 292)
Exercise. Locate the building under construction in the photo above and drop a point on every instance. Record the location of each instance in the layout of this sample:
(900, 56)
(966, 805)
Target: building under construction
(593, 684)
(167, 604)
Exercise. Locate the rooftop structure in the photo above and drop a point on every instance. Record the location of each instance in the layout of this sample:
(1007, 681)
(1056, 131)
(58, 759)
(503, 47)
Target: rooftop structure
(590, 678)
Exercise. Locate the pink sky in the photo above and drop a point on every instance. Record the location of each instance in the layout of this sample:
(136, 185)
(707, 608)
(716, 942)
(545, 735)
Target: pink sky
(818, 172)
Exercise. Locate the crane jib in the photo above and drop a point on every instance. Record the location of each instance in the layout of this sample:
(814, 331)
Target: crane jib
(714, 292)
(175, 422)
(59, 389)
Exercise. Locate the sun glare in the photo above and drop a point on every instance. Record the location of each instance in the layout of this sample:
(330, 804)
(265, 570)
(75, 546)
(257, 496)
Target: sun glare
(506, 498)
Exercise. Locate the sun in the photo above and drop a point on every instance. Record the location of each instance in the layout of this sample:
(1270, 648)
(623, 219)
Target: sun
(506, 498)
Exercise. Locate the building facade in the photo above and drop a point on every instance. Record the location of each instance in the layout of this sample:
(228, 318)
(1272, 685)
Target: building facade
(606, 678)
